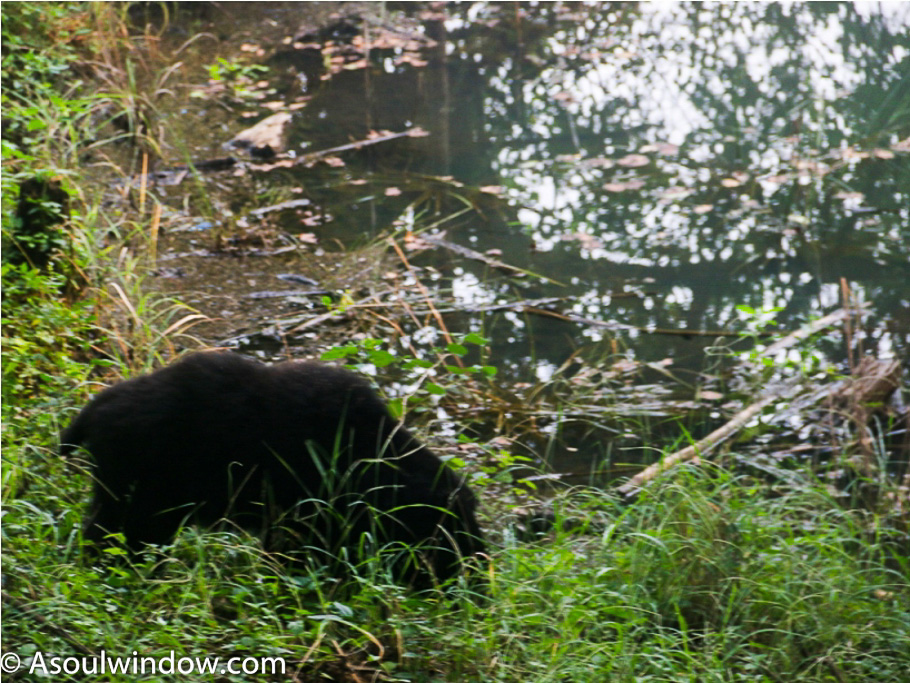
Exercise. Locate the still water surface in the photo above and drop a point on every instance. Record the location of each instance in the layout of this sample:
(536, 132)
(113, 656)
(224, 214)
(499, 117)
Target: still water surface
(653, 166)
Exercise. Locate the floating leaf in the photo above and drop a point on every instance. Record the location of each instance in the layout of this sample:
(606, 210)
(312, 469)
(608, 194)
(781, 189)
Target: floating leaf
(284, 163)
(634, 184)
(665, 148)
(851, 153)
(587, 241)
(598, 162)
(673, 193)
(634, 161)
(355, 65)
(412, 59)
(311, 221)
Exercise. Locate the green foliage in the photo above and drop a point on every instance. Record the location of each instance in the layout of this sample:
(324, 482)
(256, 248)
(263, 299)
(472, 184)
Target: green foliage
(39, 110)
(758, 320)
(45, 359)
(237, 78)
(500, 468)
(806, 360)
(53, 320)
(232, 70)
(43, 338)
(367, 355)
(704, 579)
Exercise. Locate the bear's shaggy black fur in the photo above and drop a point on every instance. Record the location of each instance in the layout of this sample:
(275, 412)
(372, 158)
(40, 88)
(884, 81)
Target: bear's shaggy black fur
(304, 452)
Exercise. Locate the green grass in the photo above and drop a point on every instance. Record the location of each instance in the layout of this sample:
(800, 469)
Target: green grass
(705, 579)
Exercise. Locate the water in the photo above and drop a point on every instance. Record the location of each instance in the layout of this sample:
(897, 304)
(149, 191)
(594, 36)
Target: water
(652, 166)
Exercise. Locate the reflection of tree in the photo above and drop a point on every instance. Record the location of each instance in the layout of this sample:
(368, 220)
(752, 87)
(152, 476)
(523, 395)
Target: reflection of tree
(751, 92)
(782, 116)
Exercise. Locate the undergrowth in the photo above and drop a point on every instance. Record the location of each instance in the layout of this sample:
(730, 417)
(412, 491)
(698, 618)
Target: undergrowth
(703, 578)
(73, 308)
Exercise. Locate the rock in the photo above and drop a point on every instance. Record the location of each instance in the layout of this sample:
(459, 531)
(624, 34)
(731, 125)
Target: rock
(266, 138)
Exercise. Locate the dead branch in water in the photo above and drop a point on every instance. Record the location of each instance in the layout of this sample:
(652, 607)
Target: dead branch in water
(614, 325)
(438, 241)
(632, 487)
(311, 157)
(714, 439)
(804, 333)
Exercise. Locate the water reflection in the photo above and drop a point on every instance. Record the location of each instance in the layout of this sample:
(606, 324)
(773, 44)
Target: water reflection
(663, 163)
(702, 155)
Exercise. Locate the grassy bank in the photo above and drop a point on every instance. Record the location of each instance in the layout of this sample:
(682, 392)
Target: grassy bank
(706, 579)
(707, 576)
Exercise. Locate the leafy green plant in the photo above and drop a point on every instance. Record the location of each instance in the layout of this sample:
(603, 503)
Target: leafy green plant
(757, 322)
(233, 70)
(235, 76)
(432, 377)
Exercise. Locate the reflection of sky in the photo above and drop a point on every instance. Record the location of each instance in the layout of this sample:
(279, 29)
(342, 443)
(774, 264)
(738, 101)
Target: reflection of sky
(758, 98)
(665, 46)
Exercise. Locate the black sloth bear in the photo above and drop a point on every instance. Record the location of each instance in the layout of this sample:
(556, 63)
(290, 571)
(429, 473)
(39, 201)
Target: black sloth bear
(305, 453)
